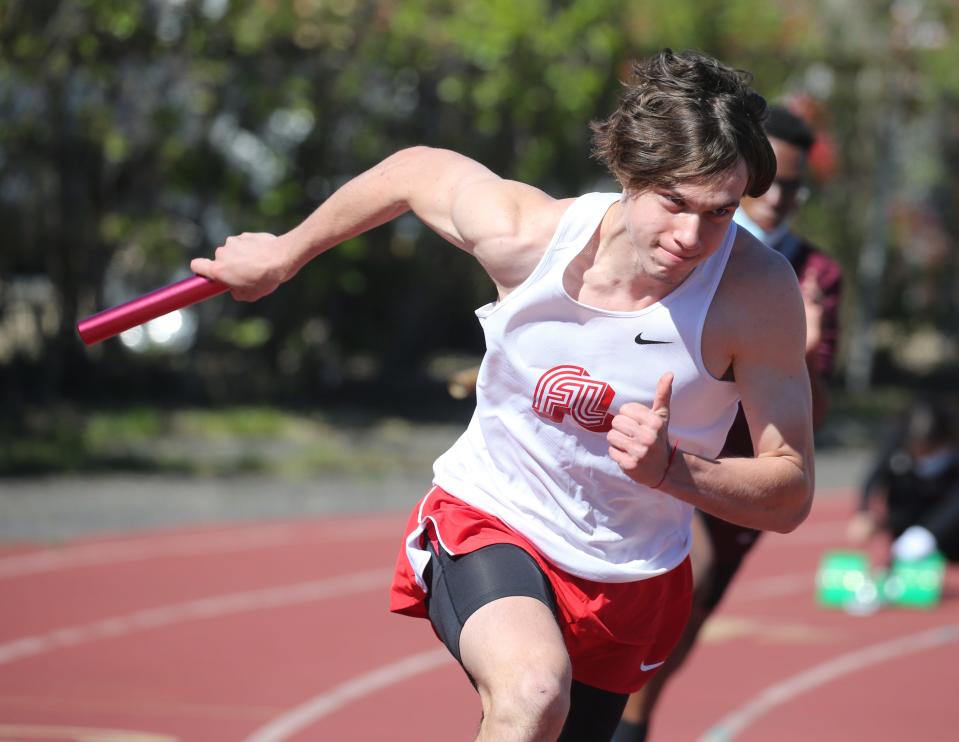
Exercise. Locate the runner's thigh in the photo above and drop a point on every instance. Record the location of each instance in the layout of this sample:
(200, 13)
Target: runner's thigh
(495, 611)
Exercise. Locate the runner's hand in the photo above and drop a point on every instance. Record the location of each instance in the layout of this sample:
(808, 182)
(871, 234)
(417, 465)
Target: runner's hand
(250, 264)
(639, 440)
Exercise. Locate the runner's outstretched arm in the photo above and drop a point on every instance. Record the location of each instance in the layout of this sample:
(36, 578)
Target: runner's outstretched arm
(500, 222)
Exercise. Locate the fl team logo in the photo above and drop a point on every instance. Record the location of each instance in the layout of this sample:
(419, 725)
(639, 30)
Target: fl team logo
(569, 390)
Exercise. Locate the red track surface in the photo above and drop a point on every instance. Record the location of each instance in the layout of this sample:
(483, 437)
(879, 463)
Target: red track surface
(279, 631)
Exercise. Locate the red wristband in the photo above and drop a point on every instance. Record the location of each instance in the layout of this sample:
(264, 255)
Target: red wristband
(669, 463)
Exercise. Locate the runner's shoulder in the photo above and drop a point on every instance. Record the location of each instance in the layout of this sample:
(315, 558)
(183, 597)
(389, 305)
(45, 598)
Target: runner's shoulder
(753, 264)
(759, 287)
(520, 225)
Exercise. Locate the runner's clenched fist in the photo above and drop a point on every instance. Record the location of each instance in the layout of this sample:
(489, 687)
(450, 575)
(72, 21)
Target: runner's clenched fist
(639, 440)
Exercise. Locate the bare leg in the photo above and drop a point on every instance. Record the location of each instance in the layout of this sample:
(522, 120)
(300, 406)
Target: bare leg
(514, 652)
(639, 707)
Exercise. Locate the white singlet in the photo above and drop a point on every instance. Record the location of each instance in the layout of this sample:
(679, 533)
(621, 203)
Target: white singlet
(555, 372)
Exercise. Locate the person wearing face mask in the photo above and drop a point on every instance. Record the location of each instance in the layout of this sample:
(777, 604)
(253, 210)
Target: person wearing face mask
(911, 495)
(719, 546)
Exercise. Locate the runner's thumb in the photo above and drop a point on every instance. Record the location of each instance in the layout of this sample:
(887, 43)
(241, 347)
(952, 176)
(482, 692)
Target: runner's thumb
(664, 391)
(202, 267)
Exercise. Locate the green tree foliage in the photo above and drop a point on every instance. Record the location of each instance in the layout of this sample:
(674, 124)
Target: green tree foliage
(137, 134)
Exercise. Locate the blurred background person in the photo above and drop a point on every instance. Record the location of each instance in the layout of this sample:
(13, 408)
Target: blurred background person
(911, 495)
(719, 547)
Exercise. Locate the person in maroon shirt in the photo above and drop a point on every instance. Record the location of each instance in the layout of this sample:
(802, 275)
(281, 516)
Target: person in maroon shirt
(719, 547)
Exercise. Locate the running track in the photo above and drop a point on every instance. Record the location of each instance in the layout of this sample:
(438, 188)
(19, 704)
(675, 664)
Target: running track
(279, 631)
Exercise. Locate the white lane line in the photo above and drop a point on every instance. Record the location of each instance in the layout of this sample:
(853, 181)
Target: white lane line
(87, 555)
(194, 610)
(191, 544)
(824, 532)
(761, 588)
(80, 734)
(306, 714)
(785, 691)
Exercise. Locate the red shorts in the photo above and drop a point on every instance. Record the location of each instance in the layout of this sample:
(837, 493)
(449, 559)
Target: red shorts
(617, 634)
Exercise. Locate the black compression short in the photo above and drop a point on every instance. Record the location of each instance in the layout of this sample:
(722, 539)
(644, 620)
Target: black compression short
(460, 585)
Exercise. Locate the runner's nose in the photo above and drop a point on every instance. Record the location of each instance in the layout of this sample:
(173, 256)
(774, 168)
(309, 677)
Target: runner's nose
(686, 232)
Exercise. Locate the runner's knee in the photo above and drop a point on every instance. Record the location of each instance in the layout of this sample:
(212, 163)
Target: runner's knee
(514, 651)
(534, 696)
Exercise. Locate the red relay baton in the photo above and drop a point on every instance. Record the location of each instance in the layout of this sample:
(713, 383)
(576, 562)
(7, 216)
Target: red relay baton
(113, 321)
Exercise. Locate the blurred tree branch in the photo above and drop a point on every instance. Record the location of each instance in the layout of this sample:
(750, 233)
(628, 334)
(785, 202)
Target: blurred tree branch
(136, 135)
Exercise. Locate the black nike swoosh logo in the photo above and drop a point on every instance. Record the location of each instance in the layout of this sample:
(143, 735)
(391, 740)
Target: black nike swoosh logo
(641, 341)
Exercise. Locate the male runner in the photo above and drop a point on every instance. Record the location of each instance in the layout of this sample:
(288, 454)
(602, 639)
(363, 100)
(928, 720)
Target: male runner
(551, 553)
(719, 547)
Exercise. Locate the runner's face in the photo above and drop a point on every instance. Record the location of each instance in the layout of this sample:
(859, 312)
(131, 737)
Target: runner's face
(777, 204)
(675, 229)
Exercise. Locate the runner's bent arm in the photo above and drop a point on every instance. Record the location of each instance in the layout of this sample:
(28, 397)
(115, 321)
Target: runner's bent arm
(504, 224)
(773, 490)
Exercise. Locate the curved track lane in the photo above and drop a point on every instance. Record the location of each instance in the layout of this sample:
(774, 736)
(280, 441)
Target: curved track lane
(280, 631)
